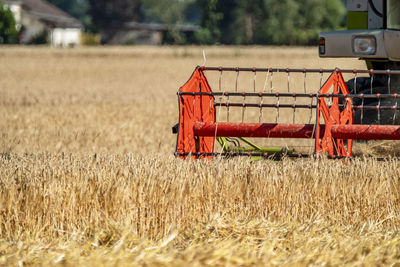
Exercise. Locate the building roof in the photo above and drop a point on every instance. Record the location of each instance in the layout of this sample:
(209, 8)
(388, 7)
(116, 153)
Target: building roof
(48, 12)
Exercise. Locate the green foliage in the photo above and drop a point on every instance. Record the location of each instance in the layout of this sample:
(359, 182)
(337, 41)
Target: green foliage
(290, 22)
(275, 22)
(8, 31)
(168, 12)
(204, 37)
(211, 22)
(76, 8)
(109, 16)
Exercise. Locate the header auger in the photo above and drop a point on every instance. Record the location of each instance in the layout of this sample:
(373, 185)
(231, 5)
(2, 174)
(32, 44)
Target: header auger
(231, 121)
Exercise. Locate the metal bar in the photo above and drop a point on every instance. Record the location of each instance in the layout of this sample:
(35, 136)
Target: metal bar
(251, 144)
(244, 94)
(245, 154)
(286, 70)
(254, 130)
(365, 96)
(298, 106)
(363, 107)
(264, 155)
(259, 130)
(265, 105)
(269, 150)
(366, 132)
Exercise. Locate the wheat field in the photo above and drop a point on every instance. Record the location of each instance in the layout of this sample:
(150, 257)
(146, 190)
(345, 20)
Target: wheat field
(88, 176)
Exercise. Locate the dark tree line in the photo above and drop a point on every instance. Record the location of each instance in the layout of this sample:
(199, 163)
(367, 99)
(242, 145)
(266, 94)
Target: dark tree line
(277, 22)
(109, 16)
(268, 21)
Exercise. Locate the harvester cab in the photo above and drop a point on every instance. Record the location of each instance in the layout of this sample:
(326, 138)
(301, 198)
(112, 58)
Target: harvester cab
(373, 35)
(275, 112)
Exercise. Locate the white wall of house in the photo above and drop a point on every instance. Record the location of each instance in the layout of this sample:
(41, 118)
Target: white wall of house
(68, 37)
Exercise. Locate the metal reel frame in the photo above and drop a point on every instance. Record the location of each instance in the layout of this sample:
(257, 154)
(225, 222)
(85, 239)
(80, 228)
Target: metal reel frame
(333, 130)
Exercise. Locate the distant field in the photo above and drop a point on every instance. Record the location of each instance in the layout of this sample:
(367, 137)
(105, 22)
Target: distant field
(87, 173)
(114, 100)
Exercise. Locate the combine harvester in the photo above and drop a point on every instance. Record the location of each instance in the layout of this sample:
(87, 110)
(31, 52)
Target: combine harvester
(257, 112)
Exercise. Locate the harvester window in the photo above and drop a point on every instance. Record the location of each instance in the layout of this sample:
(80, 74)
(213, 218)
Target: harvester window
(393, 14)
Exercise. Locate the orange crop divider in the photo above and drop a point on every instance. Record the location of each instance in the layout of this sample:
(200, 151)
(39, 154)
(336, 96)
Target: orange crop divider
(195, 108)
(333, 115)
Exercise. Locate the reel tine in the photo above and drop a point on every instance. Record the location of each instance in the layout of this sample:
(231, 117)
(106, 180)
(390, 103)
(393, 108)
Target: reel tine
(305, 81)
(362, 109)
(266, 81)
(355, 82)
(288, 80)
(294, 108)
(389, 80)
(217, 120)
(277, 108)
(395, 112)
(379, 111)
(254, 79)
(237, 79)
(262, 97)
(261, 107)
(227, 108)
(220, 80)
(244, 106)
(372, 81)
(311, 110)
(272, 85)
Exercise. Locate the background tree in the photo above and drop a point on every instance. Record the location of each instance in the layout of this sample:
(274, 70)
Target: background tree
(109, 16)
(246, 21)
(76, 8)
(170, 13)
(274, 22)
(210, 22)
(8, 30)
(289, 22)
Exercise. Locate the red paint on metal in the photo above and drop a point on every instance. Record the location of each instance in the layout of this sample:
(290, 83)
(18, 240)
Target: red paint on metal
(366, 132)
(195, 108)
(267, 130)
(333, 115)
(262, 130)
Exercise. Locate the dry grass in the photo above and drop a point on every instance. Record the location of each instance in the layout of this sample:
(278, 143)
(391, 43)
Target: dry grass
(87, 175)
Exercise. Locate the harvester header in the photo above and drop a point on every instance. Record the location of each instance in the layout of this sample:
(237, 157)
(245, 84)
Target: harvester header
(226, 116)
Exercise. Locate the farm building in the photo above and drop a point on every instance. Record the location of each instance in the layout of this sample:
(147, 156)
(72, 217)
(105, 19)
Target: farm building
(40, 21)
